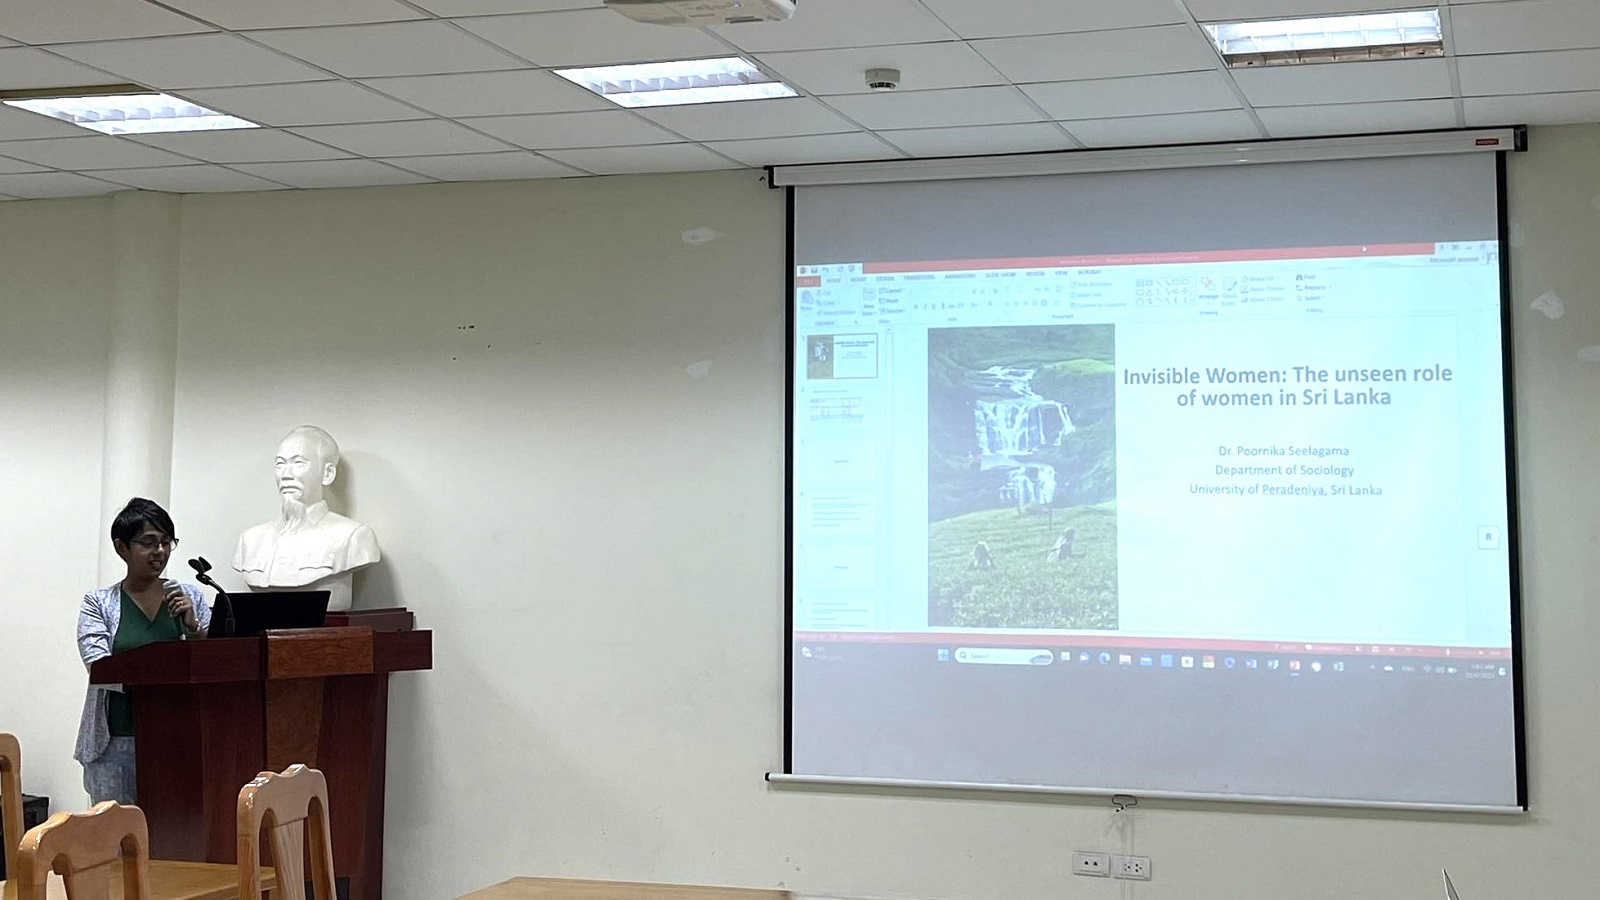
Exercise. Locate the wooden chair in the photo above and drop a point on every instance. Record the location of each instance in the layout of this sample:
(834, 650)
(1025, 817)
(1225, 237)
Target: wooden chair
(11, 798)
(82, 848)
(283, 804)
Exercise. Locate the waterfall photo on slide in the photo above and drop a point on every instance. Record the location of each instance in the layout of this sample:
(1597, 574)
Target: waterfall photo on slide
(1022, 477)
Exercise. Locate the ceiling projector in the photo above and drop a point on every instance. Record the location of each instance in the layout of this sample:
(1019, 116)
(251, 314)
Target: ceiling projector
(703, 12)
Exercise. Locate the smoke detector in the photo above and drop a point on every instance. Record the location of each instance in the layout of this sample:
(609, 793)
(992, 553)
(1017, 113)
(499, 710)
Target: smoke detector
(704, 12)
(883, 79)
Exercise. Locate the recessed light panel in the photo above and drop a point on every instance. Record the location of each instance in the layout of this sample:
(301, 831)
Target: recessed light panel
(131, 113)
(679, 83)
(1386, 35)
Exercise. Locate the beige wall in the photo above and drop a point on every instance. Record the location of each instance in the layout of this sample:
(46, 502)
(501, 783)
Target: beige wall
(595, 534)
(55, 295)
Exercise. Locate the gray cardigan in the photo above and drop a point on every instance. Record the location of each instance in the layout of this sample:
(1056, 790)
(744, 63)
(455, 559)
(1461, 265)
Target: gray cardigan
(98, 619)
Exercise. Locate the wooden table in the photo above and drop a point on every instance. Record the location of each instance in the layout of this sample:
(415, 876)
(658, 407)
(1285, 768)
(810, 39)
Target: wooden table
(169, 880)
(571, 889)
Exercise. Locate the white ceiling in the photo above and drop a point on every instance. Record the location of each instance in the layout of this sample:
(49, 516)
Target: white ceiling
(364, 92)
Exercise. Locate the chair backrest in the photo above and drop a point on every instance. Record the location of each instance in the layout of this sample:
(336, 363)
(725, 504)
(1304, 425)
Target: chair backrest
(82, 848)
(11, 798)
(283, 804)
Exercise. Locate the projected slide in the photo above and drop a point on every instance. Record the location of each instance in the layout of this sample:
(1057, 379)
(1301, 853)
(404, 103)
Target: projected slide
(1223, 520)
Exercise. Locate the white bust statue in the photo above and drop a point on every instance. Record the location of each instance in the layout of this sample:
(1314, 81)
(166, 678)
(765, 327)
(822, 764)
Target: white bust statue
(309, 547)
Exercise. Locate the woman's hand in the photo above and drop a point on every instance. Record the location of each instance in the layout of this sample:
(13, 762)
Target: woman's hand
(182, 607)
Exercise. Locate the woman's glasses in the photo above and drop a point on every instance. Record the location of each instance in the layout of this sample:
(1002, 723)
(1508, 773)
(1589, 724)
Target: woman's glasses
(151, 543)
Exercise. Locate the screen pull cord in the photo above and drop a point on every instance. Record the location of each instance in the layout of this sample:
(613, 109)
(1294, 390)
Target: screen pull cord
(1122, 818)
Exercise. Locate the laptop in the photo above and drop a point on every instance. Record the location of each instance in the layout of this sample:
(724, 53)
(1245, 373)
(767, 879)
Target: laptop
(257, 612)
(1449, 889)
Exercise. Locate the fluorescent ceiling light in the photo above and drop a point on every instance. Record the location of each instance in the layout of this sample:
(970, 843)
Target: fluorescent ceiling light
(131, 113)
(678, 83)
(1329, 38)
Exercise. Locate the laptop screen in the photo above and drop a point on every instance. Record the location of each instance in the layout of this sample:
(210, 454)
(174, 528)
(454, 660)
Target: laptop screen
(261, 611)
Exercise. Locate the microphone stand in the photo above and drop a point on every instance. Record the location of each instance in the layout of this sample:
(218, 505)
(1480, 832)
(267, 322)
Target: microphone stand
(223, 600)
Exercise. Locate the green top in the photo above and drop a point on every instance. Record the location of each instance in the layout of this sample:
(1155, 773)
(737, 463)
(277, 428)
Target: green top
(135, 630)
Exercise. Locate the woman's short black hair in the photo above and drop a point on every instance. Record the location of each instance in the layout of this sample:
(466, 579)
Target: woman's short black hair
(138, 514)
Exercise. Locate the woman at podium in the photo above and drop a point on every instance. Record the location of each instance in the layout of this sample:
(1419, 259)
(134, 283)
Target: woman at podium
(140, 609)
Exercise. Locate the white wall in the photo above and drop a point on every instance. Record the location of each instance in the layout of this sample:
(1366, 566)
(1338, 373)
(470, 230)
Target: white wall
(55, 293)
(595, 535)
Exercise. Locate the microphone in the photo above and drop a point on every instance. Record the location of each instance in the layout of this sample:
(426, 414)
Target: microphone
(201, 567)
(183, 631)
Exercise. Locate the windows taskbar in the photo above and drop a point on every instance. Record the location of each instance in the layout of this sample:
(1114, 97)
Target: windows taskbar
(1120, 645)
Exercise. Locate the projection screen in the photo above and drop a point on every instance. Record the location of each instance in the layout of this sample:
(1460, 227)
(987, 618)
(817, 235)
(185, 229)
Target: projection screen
(1187, 482)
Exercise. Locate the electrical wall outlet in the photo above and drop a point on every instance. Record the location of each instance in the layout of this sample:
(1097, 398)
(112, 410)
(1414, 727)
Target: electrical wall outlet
(1095, 865)
(1133, 868)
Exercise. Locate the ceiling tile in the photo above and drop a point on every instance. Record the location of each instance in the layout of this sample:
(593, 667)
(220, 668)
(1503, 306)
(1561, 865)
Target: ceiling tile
(491, 93)
(204, 60)
(626, 160)
(53, 184)
(242, 145)
(811, 148)
(1357, 118)
(934, 109)
(1100, 54)
(827, 24)
(403, 138)
(17, 125)
(1183, 128)
(1239, 10)
(484, 166)
(186, 179)
(245, 14)
(1529, 73)
(330, 173)
(1534, 25)
(749, 119)
(10, 166)
(580, 129)
(25, 67)
(1002, 18)
(591, 37)
(93, 152)
(1358, 82)
(314, 103)
(922, 67)
(1139, 96)
(92, 20)
(406, 48)
(1533, 109)
(454, 8)
(977, 140)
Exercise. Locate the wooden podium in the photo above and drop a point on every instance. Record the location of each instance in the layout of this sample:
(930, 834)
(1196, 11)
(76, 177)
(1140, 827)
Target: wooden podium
(211, 714)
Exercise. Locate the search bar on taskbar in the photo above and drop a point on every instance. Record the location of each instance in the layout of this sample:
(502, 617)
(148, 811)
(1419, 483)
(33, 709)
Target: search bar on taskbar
(1002, 656)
